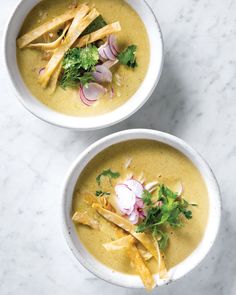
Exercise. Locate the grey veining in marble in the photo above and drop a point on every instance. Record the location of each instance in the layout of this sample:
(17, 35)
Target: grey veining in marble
(195, 100)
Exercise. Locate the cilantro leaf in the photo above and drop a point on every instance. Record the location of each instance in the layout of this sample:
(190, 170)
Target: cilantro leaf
(107, 173)
(77, 65)
(166, 208)
(101, 194)
(95, 25)
(128, 56)
(88, 57)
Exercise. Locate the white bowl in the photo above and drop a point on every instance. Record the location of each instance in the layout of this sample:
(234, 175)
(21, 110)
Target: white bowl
(125, 280)
(84, 123)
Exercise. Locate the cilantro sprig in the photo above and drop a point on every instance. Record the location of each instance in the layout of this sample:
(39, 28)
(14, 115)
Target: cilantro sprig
(107, 173)
(165, 208)
(128, 56)
(77, 65)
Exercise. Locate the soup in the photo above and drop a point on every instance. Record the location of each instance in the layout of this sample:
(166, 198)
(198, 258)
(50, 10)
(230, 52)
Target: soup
(140, 181)
(112, 35)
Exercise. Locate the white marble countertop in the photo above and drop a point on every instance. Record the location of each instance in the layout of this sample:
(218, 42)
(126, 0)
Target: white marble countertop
(195, 100)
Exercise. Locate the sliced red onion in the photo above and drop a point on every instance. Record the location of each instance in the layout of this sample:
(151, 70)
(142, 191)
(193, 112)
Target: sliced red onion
(102, 74)
(135, 186)
(113, 44)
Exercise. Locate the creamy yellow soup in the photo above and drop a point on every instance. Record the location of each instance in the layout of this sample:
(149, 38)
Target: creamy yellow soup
(126, 81)
(155, 161)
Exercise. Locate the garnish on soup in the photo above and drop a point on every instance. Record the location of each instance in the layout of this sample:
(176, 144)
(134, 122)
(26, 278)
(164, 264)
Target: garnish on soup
(82, 53)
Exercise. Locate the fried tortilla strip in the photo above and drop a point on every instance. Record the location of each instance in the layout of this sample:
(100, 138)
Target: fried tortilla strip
(119, 244)
(146, 255)
(51, 45)
(78, 25)
(124, 242)
(84, 218)
(99, 34)
(90, 199)
(44, 28)
(140, 267)
(129, 227)
(54, 79)
(162, 270)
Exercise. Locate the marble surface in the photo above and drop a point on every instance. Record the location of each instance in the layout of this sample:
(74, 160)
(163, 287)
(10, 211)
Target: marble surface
(195, 100)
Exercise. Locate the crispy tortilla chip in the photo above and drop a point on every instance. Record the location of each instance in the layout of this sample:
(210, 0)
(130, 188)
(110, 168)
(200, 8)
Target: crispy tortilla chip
(162, 270)
(119, 244)
(89, 198)
(54, 79)
(78, 25)
(51, 45)
(140, 267)
(99, 34)
(84, 218)
(145, 240)
(44, 28)
(146, 255)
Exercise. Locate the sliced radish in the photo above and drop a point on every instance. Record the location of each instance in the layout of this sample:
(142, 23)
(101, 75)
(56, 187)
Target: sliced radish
(105, 52)
(93, 91)
(113, 44)
(125, 198)
(135, 186)
(102, 74)
(84, 99)
(41, 71)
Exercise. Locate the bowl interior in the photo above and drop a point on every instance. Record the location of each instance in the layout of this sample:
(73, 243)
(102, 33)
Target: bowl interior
(88, 261)
(85, 123)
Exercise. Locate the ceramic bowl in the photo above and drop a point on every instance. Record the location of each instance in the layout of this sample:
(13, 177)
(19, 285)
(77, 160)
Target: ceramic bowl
(121, 279)
(75, 122)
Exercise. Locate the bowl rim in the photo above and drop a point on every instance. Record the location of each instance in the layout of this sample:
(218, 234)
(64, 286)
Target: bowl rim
(181, 146)
(77, 122)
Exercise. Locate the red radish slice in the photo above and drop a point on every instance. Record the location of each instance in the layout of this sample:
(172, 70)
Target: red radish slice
(135, 186)
(41, 71)
(113, 44)
(105, 52)
(93, 91)
(125, 198)
(102, 74)
(84, 99)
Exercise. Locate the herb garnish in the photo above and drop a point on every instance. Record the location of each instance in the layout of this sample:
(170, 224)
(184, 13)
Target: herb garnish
(128, 56)
(77, 66)
(95, 25)
(165, 208)
(107, 173)
(101, 194)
